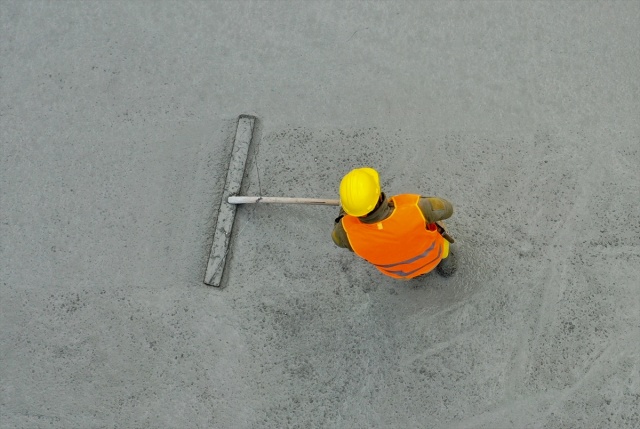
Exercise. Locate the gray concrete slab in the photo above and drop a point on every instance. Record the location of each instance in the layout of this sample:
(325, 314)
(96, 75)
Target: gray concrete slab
(116, 123)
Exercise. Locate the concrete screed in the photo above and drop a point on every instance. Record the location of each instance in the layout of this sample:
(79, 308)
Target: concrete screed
(116, 120)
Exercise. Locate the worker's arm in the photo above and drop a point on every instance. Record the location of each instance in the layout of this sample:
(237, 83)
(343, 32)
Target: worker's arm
(435, 209)
(339, 235)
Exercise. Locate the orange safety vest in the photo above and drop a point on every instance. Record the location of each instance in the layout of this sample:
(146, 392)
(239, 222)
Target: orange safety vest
(403, 245)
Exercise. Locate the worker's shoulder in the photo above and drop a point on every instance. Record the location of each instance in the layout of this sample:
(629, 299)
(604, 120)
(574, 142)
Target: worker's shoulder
(436, 203)
(339, 234)
(435, 208)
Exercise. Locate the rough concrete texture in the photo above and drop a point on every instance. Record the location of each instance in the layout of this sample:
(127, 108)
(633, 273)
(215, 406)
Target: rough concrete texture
(116, 122)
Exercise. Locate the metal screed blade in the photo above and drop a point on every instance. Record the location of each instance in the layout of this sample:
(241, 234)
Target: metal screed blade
(227, 212)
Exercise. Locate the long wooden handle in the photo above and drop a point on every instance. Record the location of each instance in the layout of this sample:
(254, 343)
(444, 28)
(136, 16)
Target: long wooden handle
(282, 200)
(315, 201)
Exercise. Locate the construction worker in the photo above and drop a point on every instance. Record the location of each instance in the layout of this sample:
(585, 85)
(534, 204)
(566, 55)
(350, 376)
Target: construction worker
(398, 235)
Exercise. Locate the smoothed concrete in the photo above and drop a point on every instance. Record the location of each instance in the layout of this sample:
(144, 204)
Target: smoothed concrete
(117, 121)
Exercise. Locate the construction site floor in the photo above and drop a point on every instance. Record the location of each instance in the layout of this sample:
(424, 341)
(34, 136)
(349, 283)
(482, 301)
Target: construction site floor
(116, 124)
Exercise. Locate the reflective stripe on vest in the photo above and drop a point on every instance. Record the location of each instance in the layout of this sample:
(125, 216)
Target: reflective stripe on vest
(402, 245)
(408, 273)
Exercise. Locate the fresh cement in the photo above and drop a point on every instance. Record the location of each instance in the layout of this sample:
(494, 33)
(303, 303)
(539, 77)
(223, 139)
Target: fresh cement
(116, 123)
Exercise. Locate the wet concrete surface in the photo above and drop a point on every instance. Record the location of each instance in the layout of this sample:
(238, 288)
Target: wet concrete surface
(117, 121)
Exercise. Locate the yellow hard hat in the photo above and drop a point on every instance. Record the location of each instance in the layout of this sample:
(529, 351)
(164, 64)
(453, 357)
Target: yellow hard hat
(359, 191)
